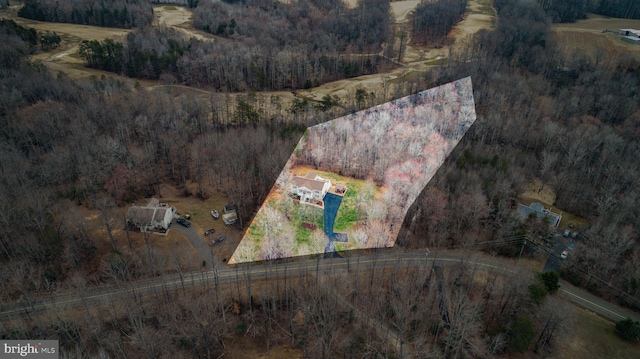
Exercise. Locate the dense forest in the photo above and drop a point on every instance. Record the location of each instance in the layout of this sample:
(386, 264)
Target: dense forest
(189, 3)
(109, 13)
(279, 46)
(572, 122)
(432, 21)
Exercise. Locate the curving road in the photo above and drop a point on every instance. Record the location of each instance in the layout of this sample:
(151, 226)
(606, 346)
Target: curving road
(258, 271)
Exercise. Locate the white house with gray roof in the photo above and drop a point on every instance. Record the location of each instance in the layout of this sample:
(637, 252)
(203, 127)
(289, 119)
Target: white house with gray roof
(536, 209)
(630, 35)
(309, 187)
(154, 216)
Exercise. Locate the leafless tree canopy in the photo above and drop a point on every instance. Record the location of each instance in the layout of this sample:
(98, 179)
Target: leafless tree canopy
(66, 146)
(112, 13)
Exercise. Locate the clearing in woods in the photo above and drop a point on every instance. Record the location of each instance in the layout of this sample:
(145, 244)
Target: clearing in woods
(587, 37)
(587, 335)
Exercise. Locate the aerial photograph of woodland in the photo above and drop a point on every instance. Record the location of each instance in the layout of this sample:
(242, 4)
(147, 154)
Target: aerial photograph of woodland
(396, 148)
(320, 178)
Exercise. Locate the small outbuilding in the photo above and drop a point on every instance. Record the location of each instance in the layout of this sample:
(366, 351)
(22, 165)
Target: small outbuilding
(230, 216)
(631, 39)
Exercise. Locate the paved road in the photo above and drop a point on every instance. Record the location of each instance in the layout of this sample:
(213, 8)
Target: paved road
(228, 274)
(331, 206)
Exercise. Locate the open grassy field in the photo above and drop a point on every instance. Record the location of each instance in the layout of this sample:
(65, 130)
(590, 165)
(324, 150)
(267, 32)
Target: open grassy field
(591, 336)
(587, 37)
(283, 218)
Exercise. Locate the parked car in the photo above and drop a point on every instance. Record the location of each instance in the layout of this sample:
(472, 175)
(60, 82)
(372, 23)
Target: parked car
(574, 235)
(215, 214)
(184, 222)
(566, 233)
(217, 240)
(571, 246)
(564, 254)
(209, 231)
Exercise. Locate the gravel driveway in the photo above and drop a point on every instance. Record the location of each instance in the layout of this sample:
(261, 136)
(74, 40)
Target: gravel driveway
(198, 243)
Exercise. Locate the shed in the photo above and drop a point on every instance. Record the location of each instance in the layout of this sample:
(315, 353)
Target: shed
(230, 215)
(631, 39)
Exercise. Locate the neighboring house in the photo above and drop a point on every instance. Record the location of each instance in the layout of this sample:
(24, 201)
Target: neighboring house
(155, 216)
(309, 187)
(629, 32)
(630, 35)
(229, 215)
(540, 212)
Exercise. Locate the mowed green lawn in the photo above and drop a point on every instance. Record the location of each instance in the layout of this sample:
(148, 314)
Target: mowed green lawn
(348, 213)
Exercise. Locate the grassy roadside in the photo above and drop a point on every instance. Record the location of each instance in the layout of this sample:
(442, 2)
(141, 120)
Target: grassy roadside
(591, 336)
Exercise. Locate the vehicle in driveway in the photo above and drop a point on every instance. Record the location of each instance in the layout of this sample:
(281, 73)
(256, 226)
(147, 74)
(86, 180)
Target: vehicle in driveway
(566, 233)
(217, 240)
(209, 231)
(184, 222)
(564, 254)
(215, 214)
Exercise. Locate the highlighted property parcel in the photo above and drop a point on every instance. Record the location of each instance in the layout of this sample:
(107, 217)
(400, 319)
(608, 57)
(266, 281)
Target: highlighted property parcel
(350, 181)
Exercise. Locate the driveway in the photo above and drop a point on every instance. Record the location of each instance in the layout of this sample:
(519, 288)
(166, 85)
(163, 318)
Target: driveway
(193, 236)
(554, 262)
(331, 205)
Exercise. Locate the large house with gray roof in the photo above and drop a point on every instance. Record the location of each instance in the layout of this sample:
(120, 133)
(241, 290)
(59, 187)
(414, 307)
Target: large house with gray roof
(536, 209)
(630, 35)
(310, 187)
(155, 216)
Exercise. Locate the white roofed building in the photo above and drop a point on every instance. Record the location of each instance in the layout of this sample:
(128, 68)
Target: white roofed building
(629, 32)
